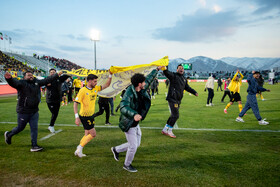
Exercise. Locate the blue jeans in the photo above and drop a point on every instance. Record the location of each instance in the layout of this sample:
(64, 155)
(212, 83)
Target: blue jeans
(251, 103)
(23, 119)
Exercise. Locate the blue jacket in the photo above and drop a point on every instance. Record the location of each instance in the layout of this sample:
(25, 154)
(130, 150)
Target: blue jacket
(253, 87)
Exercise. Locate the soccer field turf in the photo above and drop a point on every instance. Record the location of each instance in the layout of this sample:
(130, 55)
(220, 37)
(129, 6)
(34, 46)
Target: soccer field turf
(211, 149)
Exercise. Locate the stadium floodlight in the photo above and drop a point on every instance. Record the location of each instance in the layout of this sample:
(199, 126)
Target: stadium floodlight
(94, 36)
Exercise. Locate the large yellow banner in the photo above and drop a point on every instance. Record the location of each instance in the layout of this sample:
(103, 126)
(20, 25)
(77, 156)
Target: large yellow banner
(120, 77)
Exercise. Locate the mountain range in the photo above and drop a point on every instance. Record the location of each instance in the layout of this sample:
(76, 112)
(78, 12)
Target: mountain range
(205, 64)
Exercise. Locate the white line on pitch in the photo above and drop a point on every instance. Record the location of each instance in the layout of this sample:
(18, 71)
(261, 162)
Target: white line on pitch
(185, 129)
(50, 135)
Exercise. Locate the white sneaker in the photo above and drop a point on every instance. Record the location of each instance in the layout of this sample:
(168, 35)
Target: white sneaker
(79, 154)
(211, 104)
(208, 104)
(239, 119)
(263, 122)
(51, 129)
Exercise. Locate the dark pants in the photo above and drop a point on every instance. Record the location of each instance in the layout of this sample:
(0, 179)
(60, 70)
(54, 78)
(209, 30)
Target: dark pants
(226, 92)
(23, 119)
(153, 91)
(102, 107)
(70, 99)
(174, 107)
(111, 102)
(210, 95)
(54, 108)
(251, 103)
(219, 86)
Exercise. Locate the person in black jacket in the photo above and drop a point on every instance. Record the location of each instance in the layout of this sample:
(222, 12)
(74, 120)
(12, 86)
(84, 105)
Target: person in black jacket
(178, 84)
(53, 98)
(220, 83)
(27, 107)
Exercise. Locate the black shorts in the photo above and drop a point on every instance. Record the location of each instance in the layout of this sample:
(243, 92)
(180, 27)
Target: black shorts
(64, 93)
(235, 97)
(88, 122)
(77, 90)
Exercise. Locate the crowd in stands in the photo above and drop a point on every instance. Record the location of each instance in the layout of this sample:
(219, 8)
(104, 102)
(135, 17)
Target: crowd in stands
(11, 64)
(59, 63)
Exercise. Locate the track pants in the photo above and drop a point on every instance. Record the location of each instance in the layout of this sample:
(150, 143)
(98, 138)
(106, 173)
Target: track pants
(174, 107)
(251, 103)
(54, 108)
(133, 137)
(23, 119)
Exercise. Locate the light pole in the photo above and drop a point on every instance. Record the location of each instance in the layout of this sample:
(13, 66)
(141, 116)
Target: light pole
(94, 36)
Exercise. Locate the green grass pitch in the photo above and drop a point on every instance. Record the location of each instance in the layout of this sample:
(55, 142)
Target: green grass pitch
(211, 149)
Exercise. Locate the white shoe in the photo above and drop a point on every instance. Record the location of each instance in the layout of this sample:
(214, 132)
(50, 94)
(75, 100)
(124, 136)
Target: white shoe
(263, 99)
(79, 154)
(239, 119)
(211, 104)
(263, 122)
(208, 104)
(51, 129)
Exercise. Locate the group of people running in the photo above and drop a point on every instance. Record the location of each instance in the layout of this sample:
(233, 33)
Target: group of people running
(134, 107)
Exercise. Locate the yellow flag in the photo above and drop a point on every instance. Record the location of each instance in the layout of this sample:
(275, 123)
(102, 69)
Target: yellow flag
(120, 75)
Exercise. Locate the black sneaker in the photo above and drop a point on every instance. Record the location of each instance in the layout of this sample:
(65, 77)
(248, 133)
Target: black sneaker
(108, 123)
(36, 148)
(8, 139)
(130, 168)
(115, 153)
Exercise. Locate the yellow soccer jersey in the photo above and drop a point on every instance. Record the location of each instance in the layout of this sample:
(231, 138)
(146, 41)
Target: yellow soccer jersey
(87, 97)
(77, 83)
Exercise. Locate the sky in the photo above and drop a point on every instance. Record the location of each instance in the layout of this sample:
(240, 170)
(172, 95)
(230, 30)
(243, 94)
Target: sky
(136, 32)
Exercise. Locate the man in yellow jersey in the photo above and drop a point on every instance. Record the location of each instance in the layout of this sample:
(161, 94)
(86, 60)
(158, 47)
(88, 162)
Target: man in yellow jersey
(234, 87)
(87, 97)
(77, 85)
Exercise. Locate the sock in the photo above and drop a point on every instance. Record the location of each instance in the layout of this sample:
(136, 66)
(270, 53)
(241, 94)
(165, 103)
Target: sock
(170, 128)
(165, 127)
(261, 96)
(80, 148)
(240, 107)
(85, 140)
(228, 105)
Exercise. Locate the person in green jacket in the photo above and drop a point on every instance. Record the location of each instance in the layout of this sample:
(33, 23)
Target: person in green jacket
(134, 107)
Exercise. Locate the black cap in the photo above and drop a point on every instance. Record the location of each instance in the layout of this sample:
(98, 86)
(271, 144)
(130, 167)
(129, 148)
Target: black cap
(256, 72)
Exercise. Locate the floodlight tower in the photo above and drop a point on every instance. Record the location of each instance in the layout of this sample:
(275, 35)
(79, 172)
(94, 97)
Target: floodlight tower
(94, 36)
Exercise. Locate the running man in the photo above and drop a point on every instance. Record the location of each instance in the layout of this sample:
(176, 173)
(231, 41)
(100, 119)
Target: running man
(252, 102)
(234, 87)
(134, 107)
(28, 105)
(178, 84)
(87, 97)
